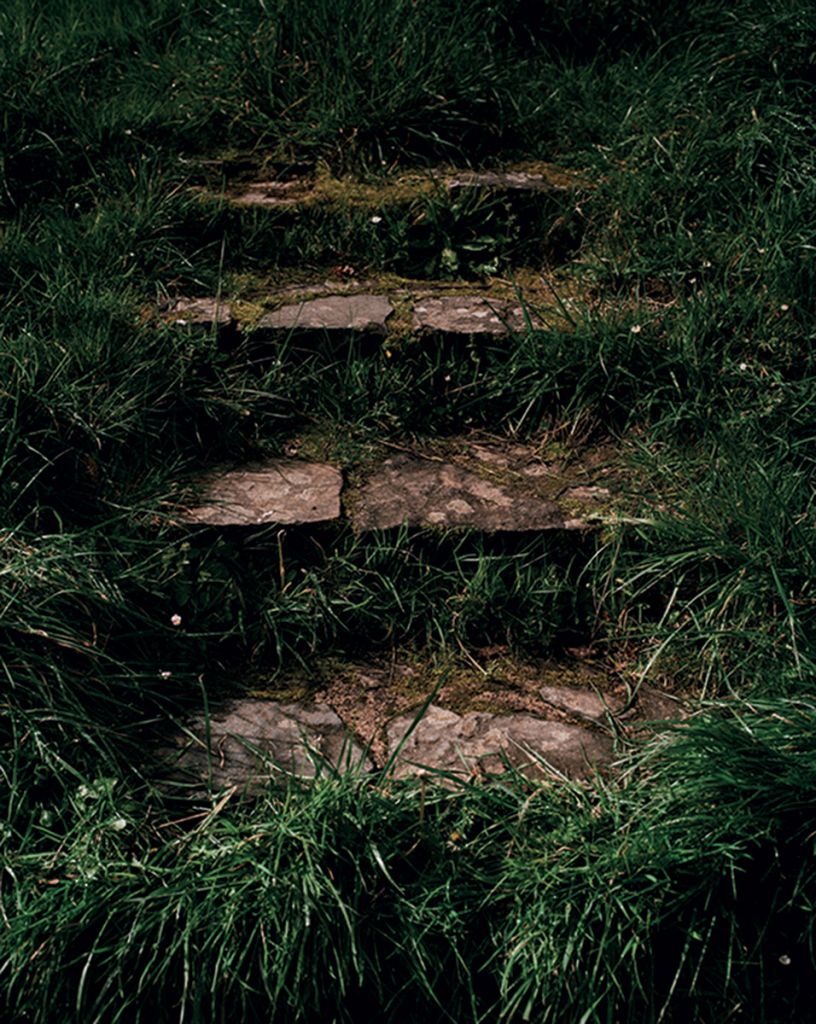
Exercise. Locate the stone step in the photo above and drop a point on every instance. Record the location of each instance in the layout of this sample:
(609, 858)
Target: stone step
(335, 311)
(283, 491)
(423, 222)
(304, 190)
(482, 484)
(540, 717)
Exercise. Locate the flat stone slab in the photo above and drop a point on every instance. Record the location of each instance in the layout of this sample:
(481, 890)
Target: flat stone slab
(510, 181)
(205, 314)
(478, 741)
(273, 193)
(582, 703)
(470, 315)
(359, 313)
(423, 492)
(279, 491)
(250, 741)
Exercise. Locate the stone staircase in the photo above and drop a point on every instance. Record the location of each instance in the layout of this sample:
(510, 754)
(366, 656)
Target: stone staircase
(539, 716)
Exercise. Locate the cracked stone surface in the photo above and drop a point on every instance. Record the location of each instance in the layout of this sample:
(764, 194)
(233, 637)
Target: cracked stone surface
(273, 193)
(469, 315)
(423, 492)
(279, 491)
(508, 181)
(539, 716)
(360, 313)
(196, 314)
(581, 702)
(251, 741)
(478, 741)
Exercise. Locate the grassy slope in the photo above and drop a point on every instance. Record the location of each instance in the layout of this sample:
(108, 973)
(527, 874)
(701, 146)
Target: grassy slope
(699, 130)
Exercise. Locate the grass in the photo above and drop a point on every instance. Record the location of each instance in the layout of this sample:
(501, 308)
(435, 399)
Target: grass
(636, 897)
(677, 888)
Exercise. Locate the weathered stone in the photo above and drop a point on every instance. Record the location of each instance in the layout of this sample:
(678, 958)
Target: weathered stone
(471, 315)
(653, 705)
(478, 741)
(581, 703)
(252, 740)
(364, 715)
(279, 491)
(508, 181)
(199, 315)
(358, 313)
(423, 492)
(273, 193)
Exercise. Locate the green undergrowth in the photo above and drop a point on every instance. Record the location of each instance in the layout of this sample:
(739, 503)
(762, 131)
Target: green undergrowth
(680, 887)
(683, 889)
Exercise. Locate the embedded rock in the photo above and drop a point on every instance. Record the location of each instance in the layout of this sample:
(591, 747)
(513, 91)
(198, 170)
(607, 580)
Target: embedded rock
(471, 315)
(510, 181)
(582, 703)
(273, 193)
(478, 741)
(425, 492)
(358, 313)
(250, 741)
(283, 491)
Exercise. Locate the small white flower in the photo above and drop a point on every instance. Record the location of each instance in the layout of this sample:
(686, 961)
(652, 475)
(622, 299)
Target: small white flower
(743, 366)
(375, 219)
(636, 328)
(785, 960)
(118, 824)
(164, 674)
(784, 307)
(176, 619)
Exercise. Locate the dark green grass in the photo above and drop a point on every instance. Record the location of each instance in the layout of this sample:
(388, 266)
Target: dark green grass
(683, 890)
(677, 892)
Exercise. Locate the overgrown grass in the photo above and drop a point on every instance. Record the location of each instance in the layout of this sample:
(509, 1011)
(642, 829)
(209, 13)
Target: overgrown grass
(680, 889)
(683, 890)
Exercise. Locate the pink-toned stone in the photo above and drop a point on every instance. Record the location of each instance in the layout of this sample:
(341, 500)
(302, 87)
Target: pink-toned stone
(477, 741)
(278, 491)
(272, 193)
(359, 313)
(582, 703)
(422, 492)
(249, 741)
(471, 315)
